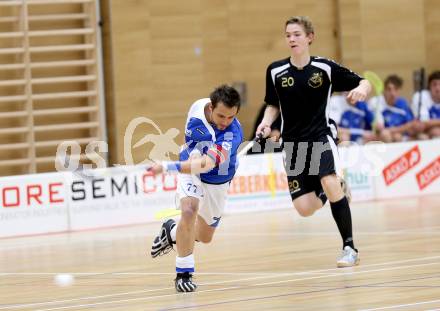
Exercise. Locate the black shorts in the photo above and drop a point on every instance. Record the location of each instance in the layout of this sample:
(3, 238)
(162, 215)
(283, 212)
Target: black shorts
(307, 162)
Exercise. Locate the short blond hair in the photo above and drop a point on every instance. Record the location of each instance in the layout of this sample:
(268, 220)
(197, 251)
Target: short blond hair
(303, 21)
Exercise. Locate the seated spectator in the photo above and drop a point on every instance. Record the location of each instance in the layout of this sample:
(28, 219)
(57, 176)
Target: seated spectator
(354, 121)
(269, 144)
(429, 113)
(394, 122)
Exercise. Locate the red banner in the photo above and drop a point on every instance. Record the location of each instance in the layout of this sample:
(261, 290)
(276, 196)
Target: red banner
(401, 165)
(430, 173)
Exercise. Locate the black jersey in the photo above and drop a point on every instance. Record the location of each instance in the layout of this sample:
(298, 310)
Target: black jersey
(303, 94)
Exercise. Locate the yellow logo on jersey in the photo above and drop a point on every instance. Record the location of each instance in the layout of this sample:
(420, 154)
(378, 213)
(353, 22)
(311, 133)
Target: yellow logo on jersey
(316, 80)
(294, 186)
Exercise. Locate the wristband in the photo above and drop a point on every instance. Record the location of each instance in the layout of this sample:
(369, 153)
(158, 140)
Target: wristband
(171, 166)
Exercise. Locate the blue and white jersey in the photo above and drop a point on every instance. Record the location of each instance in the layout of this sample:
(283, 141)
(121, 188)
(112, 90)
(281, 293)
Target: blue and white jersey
(202, 138)
(398, 114)
(434, 111)
(429, 109)
(357, 118)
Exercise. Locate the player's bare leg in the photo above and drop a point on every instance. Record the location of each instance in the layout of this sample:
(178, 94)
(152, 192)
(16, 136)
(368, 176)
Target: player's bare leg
(332, 187)
(307, 204)
(204, 232)
(186, 232)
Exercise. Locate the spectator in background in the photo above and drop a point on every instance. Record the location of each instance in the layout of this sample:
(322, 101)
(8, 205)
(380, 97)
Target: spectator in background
(429, 113)
(354, 120)
(269, 144)
(394, 123)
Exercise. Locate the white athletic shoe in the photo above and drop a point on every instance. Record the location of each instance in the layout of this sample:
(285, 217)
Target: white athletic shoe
(349, 258)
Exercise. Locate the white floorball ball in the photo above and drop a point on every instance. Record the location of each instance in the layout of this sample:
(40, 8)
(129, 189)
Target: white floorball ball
(64, 279)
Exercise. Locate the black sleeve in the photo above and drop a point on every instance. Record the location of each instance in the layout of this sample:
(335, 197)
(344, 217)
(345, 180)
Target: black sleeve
(271, 97)
(343, 79)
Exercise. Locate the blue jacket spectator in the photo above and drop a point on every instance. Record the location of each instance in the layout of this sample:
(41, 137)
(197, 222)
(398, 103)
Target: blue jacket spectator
(357, 119)
(395, 120)
(354, 121)
(397, 113)
(429, 113)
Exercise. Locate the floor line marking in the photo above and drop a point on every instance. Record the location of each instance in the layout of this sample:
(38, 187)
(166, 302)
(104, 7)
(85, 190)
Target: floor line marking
(197, 292)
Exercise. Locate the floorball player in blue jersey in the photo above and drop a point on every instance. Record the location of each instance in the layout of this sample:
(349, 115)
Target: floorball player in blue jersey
(208, 162)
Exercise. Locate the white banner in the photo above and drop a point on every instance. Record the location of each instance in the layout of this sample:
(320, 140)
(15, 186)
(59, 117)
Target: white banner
(119, 199)
(56, 202)
(410, 169)
(260, 184)
(360, 165)
(32, 204)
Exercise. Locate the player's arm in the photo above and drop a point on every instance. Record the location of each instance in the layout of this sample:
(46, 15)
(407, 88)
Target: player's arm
(272, 103)
(401, 128)
(194, 165)
(197, 165)
(343, 79)
(270, 115)
(360, 93)
(431, 123)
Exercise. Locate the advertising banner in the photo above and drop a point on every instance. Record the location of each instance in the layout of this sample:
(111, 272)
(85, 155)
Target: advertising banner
(119, 198)
(57, 202)
(409, 169)
(260, 184)
(33, 204)
(360, 167)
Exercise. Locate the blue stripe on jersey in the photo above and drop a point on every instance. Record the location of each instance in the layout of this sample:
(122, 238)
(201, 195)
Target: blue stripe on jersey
(181, 270)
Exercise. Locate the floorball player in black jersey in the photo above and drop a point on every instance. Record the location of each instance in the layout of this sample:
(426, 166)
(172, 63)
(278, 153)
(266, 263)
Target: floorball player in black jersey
(299, 87)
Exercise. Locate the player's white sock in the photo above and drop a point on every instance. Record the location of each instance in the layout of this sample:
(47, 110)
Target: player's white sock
(185, 264)
(173, 233)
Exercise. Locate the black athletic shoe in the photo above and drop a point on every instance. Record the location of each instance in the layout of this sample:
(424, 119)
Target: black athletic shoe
(184, 283)
(163, 243)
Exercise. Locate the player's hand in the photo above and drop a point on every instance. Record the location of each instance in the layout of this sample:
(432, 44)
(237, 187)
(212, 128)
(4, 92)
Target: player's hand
(357, 94)
(418, 126)
(275, 135)
(369, 136)
(380, 126)
(263, 129)
(156, 169)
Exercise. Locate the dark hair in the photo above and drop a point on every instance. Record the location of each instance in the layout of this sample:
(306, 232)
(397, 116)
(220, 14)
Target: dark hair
(395, 80)
(227, 95)
(435, 75)
(303, 21)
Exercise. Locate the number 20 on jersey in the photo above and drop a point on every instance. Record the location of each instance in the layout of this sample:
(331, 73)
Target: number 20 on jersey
(286, 81)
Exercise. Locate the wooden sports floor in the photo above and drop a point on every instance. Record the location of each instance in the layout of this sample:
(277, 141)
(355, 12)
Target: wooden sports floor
(262, 261)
